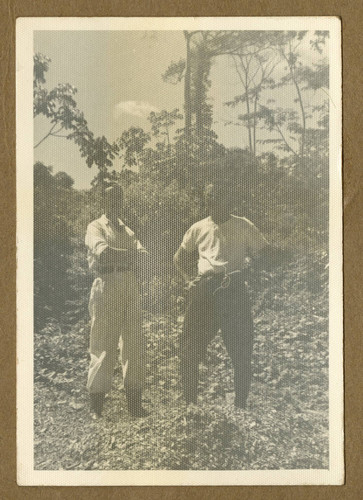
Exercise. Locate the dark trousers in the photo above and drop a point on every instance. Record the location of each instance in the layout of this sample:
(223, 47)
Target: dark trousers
(228, 310)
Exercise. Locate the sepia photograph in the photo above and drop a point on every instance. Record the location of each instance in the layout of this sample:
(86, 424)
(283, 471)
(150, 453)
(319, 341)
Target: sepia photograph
(179, 242)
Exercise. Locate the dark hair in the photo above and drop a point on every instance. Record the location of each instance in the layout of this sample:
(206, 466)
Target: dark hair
(114, 188)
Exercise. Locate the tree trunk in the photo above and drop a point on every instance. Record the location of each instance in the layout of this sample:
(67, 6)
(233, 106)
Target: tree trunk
(248, 111)
(199, 96)
(303, 116)
(187, 84)
(254, 124)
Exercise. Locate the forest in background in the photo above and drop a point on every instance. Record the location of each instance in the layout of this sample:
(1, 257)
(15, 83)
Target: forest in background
(284, 191)
(281, 181)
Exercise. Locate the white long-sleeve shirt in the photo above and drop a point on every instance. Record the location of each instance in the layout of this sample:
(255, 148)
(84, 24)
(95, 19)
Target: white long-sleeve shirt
(102, 234)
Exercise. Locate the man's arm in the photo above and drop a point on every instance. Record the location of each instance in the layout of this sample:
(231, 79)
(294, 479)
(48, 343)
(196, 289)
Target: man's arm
(105, 255)
(186, 263)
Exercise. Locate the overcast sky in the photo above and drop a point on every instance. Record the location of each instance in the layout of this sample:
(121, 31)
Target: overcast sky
(119, 82)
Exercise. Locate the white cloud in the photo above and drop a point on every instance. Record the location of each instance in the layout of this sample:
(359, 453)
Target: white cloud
(134, 108)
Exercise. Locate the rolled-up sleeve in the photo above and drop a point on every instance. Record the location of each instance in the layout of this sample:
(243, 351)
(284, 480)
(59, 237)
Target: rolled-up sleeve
(189, 241)
(95, 241)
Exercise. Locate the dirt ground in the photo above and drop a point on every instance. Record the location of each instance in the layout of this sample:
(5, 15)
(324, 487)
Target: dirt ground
(285, 425)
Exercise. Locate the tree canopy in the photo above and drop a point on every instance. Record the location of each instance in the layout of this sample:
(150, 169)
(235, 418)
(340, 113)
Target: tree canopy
(59, 106)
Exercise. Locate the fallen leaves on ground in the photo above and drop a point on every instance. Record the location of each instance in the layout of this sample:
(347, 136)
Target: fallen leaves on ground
(285, 425)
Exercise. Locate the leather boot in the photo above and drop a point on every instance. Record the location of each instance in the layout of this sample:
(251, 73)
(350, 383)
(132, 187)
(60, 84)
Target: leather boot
(97, 400)
(134, 402)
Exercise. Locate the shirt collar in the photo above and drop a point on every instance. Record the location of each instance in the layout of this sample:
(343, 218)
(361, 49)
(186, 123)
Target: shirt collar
(106, 221)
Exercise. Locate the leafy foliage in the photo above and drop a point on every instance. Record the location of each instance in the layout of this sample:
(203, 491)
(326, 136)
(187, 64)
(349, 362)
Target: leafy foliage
(132, 143)
(285, 425)
(52, 240)
(256, 71)
(174, 72)
(161, 122)
(60, 107)
(163, 181)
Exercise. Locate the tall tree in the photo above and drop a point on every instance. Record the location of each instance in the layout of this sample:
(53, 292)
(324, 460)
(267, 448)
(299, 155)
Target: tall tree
(202, 47)
(255, 70)
(187, 84)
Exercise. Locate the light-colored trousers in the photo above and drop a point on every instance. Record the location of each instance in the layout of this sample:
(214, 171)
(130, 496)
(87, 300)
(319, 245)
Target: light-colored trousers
(115, 312)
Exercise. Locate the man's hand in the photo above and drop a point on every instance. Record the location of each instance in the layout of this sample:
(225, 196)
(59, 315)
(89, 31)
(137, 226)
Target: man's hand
(192, 283)
(186, 263)
(117, 257)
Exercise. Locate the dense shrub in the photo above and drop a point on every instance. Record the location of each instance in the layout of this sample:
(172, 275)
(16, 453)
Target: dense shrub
(290, 209)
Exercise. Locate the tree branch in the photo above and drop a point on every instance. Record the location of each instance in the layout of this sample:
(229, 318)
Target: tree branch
(246, 88)
(303, 115)
(285, 141)
(46, 136)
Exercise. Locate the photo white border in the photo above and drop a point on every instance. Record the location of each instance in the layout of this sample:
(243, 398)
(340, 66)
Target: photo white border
(26, 474)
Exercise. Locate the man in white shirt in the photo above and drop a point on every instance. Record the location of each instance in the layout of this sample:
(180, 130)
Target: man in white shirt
(113, 252)
(217, 250)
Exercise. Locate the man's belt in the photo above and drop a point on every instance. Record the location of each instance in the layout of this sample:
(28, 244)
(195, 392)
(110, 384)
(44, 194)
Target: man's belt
(221, 275)
(223, 279)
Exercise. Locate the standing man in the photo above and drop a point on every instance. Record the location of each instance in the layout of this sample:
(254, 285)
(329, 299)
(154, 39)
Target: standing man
(113, 252)
(216, 250)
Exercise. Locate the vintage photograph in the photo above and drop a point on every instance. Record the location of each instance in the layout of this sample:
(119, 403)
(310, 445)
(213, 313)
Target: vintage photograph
(179, 251)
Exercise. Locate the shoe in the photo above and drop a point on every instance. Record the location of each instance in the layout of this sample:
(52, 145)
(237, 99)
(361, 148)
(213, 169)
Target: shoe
(134, 403)
(96, 402)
